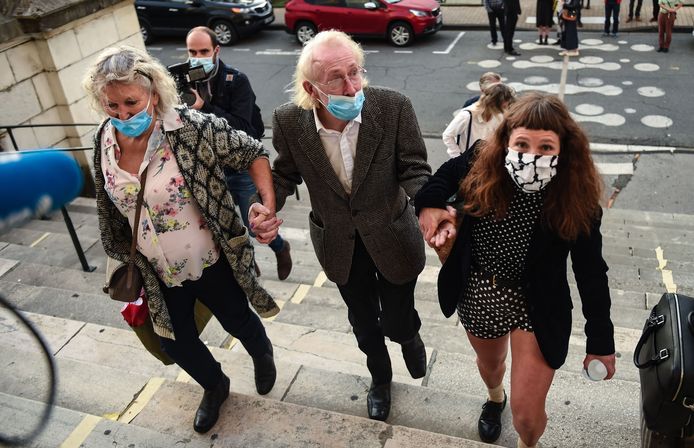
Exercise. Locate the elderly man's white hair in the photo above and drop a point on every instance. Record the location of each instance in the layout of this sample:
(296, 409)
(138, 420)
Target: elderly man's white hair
(305, 67)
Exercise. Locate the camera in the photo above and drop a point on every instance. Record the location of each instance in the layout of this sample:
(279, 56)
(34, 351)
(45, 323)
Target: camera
(185, 76)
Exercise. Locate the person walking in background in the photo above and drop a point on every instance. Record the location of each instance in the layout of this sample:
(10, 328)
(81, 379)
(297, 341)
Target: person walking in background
(227, 93)
(495, 12)
(612, 10)
(361, 153)
(487, 80)
(478, 120)
(531, 198)
(544, 19)
(191, 243)
(512, 9)
(634, 14)
(656, 11)
(569, 32)
(666, 19)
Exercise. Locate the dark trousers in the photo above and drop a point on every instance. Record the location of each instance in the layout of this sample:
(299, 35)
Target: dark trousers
(509, 30)
(378, 308)
(496, 15)
(612, 10)
(639, 3)
(220, 292)
(656, 9)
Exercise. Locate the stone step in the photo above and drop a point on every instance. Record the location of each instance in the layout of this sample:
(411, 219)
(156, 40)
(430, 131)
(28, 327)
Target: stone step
(655, 219)
(74, 280)
(92, 351)
(247, 421)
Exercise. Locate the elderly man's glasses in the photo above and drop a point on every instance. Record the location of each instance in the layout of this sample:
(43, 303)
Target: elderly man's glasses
(338, 83)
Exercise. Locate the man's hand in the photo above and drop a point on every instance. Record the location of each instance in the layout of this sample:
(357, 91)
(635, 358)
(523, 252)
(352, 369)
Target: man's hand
(437, 225)
(264, 223)
(199, 102)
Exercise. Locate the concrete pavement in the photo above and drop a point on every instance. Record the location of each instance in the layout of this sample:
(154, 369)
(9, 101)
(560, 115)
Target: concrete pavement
(593, 19)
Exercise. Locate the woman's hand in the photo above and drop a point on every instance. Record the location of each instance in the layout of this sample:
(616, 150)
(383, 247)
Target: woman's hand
(608, 360)
(264, 223)
(437, 225)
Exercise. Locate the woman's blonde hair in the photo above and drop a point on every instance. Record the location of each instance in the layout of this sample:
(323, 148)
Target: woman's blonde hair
(129, 65)
(305, 66)
(494, 99)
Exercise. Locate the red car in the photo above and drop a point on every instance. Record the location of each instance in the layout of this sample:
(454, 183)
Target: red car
(398, 20)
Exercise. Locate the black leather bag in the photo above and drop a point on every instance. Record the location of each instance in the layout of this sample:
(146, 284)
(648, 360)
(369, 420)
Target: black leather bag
(665, 358)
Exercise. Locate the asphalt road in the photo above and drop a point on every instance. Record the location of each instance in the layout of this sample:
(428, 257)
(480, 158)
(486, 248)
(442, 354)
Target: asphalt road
(621, 90)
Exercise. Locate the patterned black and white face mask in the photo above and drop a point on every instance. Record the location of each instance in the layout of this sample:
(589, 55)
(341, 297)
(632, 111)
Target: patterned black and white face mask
(531, 172)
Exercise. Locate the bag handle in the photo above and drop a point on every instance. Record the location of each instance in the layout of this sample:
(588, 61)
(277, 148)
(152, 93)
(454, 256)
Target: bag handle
(138, 208)
(652, 324)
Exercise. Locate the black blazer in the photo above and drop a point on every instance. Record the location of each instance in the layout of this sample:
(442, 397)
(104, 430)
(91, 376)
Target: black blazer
(547, 286)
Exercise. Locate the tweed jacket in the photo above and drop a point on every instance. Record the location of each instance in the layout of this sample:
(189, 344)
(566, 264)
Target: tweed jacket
(389, 167)
(545, 281)
(202, 147)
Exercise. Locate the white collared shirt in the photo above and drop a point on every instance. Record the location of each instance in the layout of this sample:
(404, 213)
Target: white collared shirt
(341, 148)
(480, 129)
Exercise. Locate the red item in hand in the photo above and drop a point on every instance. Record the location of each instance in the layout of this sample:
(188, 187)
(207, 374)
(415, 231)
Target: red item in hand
(135, 313)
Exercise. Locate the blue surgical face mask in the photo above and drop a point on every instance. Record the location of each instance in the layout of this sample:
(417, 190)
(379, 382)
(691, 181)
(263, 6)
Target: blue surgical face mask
(344, 107)
(135, 125)
(207, 64)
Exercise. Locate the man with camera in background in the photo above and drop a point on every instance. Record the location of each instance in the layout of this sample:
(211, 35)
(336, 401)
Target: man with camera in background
(227, 93)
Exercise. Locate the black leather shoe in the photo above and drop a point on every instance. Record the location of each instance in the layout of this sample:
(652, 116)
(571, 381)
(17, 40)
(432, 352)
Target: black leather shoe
(489, 425)
(208, 411)
(265, 372)
(513, 53)
(378, 402)
(415, 355)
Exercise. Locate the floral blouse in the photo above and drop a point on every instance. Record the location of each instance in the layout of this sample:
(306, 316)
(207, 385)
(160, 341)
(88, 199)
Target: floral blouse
(172, 233)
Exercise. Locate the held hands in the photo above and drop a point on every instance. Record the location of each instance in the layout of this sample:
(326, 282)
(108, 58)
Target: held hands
(264, 223)
(608, 360)
(437, 225)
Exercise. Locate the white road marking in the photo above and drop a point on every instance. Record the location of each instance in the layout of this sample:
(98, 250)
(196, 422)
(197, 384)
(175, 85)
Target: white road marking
(656, 121)
(571, 89)
(450, 47)
(155, 49)
(615, 169)
(605, 119)
(488, 63)
(630, 149)
(591, 82)
(278, 53)
(650, 91)
(646, 67)
(402, 51)
(642, 47)
(589, 109)
(573, 65)
(241, 49)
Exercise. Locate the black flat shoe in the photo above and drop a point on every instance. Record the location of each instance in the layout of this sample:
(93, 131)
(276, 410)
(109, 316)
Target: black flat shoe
(489, 425)
(415, 355)
(378, 402)
(265, 372)
(208, 411)
(513, 53)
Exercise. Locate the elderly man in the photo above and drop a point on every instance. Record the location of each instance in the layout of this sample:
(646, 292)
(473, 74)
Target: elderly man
(361, 154)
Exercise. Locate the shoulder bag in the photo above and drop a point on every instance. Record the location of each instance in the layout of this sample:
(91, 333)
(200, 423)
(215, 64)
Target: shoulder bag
(125, 281)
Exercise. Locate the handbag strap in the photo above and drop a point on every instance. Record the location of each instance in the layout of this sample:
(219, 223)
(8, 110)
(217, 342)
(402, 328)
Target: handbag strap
(469, 130)
(652, 324)
(138, 209)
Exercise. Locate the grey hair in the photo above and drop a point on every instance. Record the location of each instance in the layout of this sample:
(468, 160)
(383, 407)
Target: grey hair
(305, 65)
(129, 65)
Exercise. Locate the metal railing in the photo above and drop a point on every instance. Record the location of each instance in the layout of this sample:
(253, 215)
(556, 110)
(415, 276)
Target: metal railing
(66, 216)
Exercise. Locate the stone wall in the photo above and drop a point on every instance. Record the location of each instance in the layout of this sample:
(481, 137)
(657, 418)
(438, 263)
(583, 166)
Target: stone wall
(41, 75)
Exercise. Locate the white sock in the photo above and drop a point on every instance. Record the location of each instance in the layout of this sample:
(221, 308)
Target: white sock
(496, 394)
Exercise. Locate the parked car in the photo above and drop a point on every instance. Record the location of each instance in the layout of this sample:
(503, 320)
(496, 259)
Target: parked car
(399, 21)
(230, 19)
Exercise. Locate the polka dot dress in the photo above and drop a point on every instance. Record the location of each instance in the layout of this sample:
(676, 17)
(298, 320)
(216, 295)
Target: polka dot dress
(500, 247)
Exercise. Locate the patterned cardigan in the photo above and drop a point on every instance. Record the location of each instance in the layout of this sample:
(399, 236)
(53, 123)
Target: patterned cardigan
(203, 147)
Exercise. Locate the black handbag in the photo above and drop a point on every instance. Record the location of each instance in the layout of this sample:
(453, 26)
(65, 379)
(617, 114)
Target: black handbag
(665, 358)
(125, 282)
